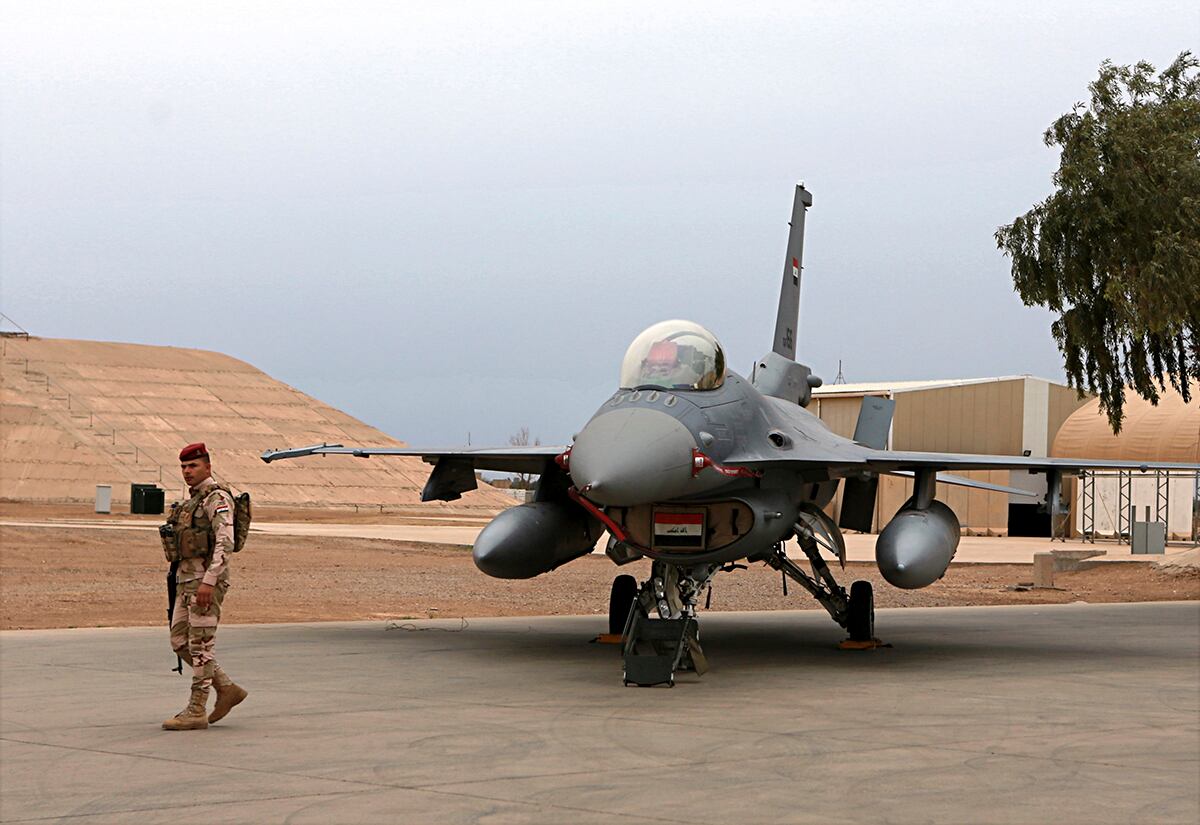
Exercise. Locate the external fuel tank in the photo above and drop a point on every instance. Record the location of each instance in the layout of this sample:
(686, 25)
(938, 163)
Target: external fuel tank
(916, 546)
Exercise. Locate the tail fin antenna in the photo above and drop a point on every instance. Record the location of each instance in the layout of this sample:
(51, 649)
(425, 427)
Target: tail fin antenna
(787, 321)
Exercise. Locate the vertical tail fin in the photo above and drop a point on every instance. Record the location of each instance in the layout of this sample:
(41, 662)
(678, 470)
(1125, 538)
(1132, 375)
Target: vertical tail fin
(787, 321)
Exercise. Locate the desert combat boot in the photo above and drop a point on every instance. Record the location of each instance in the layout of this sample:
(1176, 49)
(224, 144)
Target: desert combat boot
(229, 696)
(193, 717)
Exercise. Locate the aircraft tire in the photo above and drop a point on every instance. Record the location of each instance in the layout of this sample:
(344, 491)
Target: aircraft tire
(620, 602)
(860, 612)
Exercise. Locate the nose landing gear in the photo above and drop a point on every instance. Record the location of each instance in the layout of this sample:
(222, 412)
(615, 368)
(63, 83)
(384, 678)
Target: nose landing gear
(656, 647)
(620, 602)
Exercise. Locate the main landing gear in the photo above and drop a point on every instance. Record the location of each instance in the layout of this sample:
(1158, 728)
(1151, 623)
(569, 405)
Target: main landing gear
(854, 611)
(860, 612)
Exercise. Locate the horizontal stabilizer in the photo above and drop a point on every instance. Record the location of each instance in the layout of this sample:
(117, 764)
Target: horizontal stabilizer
(874, 422)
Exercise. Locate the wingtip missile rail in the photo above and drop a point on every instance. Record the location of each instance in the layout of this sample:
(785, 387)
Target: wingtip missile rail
(298, 452)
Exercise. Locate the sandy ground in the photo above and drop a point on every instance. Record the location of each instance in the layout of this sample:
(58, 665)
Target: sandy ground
(58, 577)
(458, 528)
(421, 514)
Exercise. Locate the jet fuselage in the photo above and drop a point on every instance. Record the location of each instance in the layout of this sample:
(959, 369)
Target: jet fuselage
(654, 457)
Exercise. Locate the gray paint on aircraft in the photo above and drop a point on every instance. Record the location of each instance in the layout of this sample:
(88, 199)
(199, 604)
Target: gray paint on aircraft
(750, 444)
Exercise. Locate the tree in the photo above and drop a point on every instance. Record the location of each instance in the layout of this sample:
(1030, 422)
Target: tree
(520, 438)
(1115, 250)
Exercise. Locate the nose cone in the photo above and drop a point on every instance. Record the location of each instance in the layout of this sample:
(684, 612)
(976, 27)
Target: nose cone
(632, 456)
(903, 565)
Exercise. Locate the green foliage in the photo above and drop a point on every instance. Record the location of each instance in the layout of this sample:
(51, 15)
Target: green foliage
(1115, 250)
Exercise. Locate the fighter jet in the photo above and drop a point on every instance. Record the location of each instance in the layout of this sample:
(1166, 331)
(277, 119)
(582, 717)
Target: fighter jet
(698, 469)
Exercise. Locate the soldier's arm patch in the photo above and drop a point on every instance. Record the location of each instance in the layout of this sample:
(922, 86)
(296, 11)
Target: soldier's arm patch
(218, 502)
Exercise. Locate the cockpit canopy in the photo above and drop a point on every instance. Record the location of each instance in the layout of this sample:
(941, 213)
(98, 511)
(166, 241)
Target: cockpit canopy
(674, 355)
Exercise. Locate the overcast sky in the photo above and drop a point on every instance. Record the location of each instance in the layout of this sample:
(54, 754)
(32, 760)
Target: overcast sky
(453, 217)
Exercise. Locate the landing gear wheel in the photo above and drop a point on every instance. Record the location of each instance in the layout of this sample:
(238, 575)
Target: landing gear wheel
(620, 602)
(860, 612)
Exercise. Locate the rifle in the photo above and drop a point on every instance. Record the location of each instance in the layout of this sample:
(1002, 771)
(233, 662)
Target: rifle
(171, 609)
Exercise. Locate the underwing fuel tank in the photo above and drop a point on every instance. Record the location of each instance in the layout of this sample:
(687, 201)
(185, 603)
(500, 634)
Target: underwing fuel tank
(916, 546)
(526, 541)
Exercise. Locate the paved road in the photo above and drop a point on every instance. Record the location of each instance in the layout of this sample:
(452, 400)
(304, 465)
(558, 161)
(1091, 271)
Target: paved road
(1064, 714)
(971, 549)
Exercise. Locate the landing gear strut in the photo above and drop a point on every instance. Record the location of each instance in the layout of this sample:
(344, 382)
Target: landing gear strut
(854, 611)
(656, 648)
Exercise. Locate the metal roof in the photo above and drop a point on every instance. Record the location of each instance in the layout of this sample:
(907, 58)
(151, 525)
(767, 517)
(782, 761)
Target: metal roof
(893, 387)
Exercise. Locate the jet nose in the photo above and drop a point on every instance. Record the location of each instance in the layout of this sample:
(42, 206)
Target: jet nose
(632, 456)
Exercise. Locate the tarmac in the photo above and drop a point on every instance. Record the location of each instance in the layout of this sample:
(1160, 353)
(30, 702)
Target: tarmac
(1066, 713)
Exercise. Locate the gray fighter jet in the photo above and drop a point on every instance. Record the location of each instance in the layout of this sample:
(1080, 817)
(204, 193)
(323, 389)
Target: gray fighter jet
(696, 468)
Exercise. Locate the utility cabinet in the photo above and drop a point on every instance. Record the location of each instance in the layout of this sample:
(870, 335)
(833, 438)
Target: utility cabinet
(146, 499)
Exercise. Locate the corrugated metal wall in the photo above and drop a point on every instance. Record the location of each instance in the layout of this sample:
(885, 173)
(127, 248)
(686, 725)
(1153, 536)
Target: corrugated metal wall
(985, 417)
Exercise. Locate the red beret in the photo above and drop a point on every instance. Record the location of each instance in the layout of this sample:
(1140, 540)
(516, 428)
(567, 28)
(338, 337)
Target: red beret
(192, 451)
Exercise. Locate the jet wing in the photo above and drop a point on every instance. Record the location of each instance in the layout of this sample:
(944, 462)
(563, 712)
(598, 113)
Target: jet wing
(842, 461)
(892, 460)
(499, 459)
(857, 461)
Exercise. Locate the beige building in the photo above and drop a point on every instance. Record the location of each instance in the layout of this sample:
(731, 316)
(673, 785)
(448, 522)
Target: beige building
(1013, 415)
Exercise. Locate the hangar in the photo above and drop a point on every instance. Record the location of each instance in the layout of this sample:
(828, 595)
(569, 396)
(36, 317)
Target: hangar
(1023, 414)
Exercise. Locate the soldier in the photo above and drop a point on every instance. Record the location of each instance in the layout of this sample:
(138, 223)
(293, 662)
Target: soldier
(202, 539)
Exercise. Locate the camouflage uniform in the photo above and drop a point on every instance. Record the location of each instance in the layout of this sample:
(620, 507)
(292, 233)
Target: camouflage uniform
(199, 538)
(193, 630)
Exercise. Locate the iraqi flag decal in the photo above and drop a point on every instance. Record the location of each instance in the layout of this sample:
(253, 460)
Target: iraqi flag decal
(795, 270)
(679, 530)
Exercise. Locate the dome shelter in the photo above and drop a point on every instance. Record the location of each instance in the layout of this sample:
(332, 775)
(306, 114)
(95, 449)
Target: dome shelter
(75, 414)
(1168, 431)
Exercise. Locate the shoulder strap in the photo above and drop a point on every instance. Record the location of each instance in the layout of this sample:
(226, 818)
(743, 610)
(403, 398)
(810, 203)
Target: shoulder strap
(241, 514)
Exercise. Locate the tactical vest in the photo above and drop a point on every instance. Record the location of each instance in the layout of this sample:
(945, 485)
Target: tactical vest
(191, 535)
